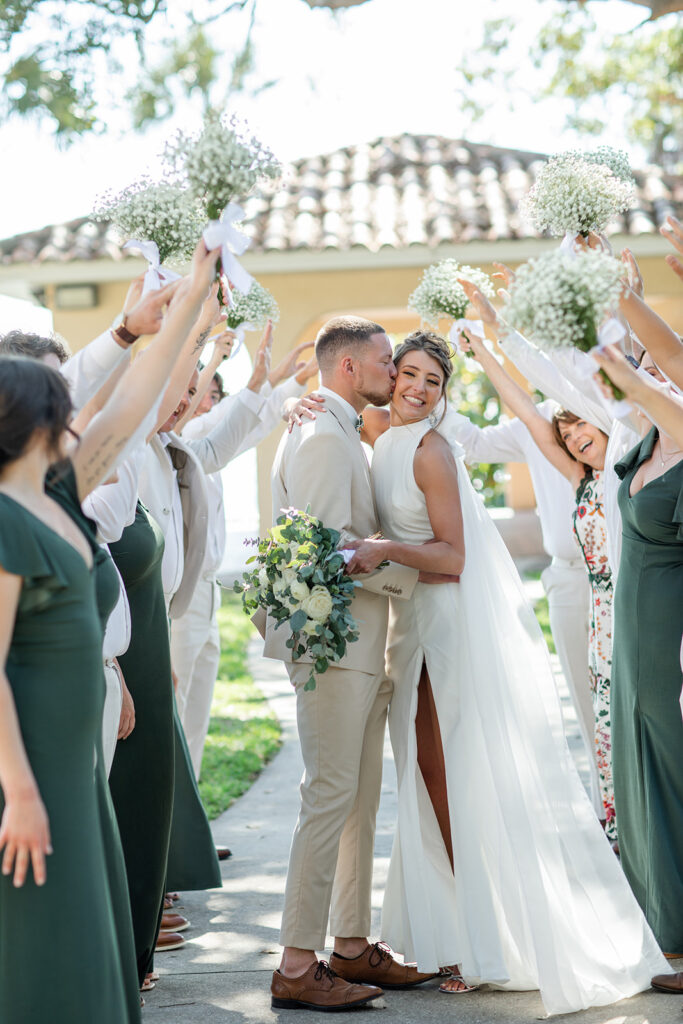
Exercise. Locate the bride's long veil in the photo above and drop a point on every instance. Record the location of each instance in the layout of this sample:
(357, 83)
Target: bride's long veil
(540, 866)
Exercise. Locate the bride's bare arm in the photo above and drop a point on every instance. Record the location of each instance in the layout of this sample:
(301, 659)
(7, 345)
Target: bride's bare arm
(436, 475)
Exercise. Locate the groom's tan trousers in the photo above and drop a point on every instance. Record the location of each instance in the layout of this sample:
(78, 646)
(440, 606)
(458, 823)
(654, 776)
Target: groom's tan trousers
(341, 729)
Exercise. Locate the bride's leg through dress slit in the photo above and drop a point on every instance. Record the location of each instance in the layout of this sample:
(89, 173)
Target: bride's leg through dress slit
(430, 757)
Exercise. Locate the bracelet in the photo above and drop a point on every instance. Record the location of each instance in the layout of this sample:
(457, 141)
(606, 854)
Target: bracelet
(123, 334)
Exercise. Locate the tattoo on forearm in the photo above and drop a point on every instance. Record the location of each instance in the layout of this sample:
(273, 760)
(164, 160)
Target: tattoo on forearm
(99, 463)
(201, 340)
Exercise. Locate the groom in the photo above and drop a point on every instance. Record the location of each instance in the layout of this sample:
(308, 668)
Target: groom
(342, 722)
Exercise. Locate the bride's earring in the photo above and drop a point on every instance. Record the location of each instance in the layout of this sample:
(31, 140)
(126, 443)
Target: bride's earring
(433, 419)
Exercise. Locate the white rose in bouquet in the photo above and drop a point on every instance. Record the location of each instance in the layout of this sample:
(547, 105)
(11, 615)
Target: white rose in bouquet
(318, 605)
(310, 628)
(263, 578)
(300, 591)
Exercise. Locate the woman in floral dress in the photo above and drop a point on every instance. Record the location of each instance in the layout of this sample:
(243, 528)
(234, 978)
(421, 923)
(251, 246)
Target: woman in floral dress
(590, 529)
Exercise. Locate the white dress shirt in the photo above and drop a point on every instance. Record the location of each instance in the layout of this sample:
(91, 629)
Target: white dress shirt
(512, 442)
(88, 368)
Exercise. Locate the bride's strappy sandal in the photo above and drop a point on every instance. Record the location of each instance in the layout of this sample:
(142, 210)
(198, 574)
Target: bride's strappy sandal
(450, 976)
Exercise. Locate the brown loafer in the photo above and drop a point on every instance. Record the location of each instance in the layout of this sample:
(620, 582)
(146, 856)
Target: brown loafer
(376, 966)
(168, 940)
(668, 983)
(171, 922)
(319, 988)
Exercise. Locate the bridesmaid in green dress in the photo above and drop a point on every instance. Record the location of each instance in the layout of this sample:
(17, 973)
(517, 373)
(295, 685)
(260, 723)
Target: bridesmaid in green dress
(51, 700)
(647, 730)
(58, 923)
(144, 810)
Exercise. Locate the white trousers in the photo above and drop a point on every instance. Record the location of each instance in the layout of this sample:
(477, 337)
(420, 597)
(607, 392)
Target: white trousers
(195, 653)
(568, 591)
(111, 715)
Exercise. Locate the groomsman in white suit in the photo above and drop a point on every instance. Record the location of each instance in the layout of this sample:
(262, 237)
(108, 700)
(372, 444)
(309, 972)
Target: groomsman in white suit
(341, 722)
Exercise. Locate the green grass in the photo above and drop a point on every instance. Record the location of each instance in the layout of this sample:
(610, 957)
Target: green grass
(541, 610)
(243, 734)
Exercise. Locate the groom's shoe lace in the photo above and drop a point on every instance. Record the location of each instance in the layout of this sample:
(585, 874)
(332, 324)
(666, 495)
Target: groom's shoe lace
(323, 970)
(379, 953)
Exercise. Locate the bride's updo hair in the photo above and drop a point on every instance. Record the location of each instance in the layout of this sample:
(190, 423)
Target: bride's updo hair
(32, 397)
(432, 344)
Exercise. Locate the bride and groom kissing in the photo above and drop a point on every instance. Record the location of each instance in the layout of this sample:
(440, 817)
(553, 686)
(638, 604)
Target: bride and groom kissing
(499, 864)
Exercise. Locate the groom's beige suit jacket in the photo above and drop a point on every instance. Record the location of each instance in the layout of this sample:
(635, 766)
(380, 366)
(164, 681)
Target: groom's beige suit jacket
(322, 465)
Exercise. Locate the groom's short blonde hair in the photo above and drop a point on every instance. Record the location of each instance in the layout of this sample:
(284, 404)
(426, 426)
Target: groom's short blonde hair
(342, 334)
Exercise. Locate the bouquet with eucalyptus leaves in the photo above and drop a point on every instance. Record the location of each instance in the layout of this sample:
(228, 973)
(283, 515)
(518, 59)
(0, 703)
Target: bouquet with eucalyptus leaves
(299, 579)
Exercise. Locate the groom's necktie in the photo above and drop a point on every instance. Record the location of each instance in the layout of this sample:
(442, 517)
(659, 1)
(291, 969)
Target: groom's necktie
(359, 424)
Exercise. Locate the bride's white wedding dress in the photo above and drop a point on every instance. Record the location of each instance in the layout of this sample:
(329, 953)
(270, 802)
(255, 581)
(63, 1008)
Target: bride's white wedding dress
(537, 899)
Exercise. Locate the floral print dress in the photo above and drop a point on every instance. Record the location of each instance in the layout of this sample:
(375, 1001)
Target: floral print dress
(590, 529)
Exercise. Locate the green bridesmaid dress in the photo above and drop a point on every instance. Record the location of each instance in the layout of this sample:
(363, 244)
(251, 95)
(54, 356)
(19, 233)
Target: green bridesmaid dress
(141, 777)
(647, 730)
(66, 948)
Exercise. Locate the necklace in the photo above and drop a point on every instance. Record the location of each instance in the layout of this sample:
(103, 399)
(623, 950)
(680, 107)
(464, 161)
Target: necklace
(673, 454)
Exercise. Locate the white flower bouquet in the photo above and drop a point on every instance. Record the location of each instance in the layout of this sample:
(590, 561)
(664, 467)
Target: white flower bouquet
(221, 164)
(439, 294)
(299, 579)
(255, 308)
(165, 214)
(560, 300)
(577, 192)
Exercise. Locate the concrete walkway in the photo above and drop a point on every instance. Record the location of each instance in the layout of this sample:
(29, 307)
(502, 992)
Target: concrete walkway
(222, 976)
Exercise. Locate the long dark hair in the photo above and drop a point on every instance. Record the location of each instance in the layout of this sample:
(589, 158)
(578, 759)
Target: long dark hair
(32, 397)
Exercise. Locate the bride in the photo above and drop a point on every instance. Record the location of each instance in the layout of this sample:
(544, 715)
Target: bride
(499, 863)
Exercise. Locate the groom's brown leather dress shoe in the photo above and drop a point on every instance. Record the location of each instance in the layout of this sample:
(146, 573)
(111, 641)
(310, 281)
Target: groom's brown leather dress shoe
(669, 982)
(376, 966)
(318, 988)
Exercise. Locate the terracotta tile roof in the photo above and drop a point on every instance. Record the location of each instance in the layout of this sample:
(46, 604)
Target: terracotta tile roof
(400, 191)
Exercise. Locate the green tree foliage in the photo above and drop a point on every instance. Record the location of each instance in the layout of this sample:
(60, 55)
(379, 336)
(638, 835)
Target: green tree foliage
(472, 394)
(636, 75)
(54, 52)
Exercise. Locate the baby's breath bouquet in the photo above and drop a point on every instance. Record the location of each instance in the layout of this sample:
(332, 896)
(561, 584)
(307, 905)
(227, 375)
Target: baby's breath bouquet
(560, 300)
(440, 294)
(164, 213)
(222, 164)
(255, 308)
(577, 192)
(299, 579)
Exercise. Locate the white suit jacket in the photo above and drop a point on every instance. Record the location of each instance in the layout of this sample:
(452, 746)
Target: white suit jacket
(322, 464)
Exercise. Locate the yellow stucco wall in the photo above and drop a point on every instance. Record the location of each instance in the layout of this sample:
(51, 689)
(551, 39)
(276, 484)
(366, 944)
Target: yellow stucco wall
(307, 298)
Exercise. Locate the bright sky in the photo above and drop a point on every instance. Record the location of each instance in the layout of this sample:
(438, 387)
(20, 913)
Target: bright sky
(383, 68)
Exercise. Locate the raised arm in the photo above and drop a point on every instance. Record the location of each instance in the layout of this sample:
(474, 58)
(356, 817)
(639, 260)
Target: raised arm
(524, 407)
(222, 347)
(659, 339)
(190, 352)
(664, 409)
(24, 829)
(106, 437)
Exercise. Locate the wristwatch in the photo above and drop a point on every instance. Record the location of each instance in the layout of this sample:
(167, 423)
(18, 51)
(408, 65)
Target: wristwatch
(123, 334)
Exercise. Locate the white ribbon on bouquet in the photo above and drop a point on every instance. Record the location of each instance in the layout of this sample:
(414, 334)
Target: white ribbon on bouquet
(585, 367)
(475, 327)
(156, 275)
(239, 333)
(233, 243)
